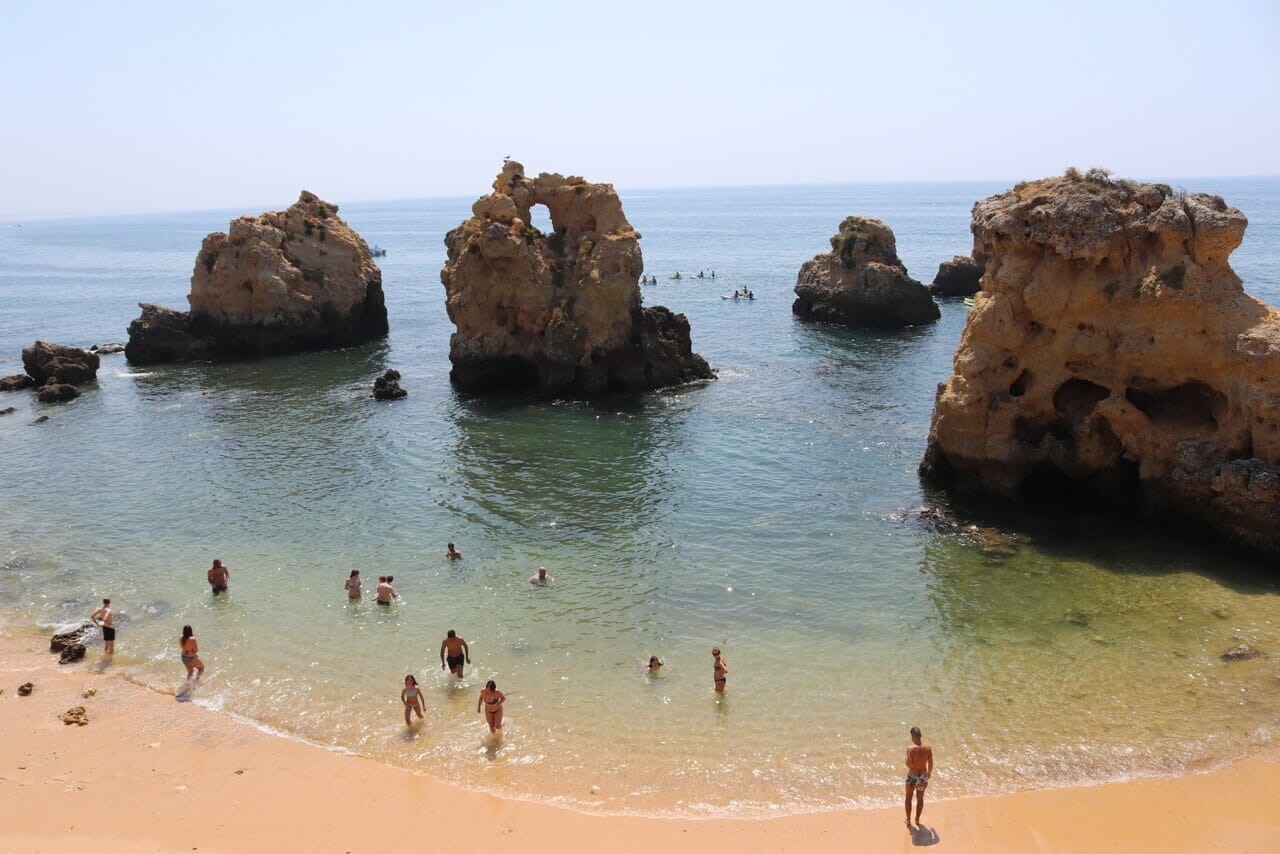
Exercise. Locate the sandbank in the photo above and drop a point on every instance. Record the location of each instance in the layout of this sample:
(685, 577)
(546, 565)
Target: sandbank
(151, 774)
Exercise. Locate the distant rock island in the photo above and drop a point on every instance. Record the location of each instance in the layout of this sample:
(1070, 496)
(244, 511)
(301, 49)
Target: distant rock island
(557, 313)
(1114, 352)
(862, 282)
(959, 277)
(282, 282)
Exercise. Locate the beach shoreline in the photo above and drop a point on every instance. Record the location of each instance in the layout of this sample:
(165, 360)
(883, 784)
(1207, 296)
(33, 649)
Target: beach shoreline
(150, 773)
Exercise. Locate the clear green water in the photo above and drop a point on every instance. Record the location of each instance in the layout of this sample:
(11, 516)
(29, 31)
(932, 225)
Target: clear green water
(772, 512)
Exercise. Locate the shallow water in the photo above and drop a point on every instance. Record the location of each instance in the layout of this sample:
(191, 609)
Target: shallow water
(772, 512)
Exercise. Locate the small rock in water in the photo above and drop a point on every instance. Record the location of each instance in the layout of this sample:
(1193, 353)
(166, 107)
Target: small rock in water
(7, 410)
(16, 382)
(387, 387)
(1221, 613)
(25, 689)
(75, 652)
(41, 419)
(1079, 618)
(75, 715)
(1240, 652)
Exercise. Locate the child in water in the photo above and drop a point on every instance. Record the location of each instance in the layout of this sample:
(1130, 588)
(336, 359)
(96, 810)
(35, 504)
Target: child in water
(412, 698)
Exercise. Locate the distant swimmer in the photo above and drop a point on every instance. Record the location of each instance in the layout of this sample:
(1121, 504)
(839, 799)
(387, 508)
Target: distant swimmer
(412, 698)
(540, 578)
(219, 576)
(456, 651)
(654, 666)
(385, 591)
(491, 700)
(353, 585)
(719, 670)
(452, 554)
(713, 274)
(919, 770)
(677, 275)
(102, 618)
(191, 654)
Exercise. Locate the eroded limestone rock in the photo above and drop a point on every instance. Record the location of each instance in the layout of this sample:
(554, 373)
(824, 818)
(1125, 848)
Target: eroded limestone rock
(862, 281)
(557, 313)
(1113, 350)
(959, 277)
(285, 281)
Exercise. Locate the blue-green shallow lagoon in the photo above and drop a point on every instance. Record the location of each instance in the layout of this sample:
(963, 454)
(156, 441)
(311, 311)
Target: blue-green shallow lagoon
(773, 512)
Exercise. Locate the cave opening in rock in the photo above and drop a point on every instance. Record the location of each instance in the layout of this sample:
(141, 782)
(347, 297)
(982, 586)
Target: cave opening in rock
(1191, 405)
(1076, 399)
(540, 218)
(1019, 386)
(1117, 486)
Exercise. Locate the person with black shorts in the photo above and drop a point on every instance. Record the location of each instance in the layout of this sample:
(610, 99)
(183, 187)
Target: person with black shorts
(455, 651)
(102, 619)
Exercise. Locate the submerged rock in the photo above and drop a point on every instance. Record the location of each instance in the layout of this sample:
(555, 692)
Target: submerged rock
(387, 387)
(70, 637)
(16, 382)
(1113, 352)
(557, 313)
(1240, 652)
(54, 392)
(8, 410)
(959, 277)
(285, 281)
(862, 282)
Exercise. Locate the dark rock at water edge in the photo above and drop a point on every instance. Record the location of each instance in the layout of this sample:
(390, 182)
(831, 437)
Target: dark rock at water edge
(55, 392)
(60, 363)
(16, 382)
(75, 652)
(70, 637)
(106, 349)
(40, 420)
(1240, 652)
(959, 277)
(8, 410)
(862, 282)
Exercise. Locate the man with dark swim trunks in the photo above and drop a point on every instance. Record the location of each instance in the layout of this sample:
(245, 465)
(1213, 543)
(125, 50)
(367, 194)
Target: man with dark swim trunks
(219, 575)
(457, 651)
(919, 770)
(103, 619)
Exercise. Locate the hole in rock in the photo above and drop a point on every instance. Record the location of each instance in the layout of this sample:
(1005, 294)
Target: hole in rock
(1019, 386)
(1076, 398)
(540, 218)
(1192, 405)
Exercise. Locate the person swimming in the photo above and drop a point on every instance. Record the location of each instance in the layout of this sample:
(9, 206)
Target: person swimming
(452, 554)
(540, 578)
(412, 699)
(491, 700)
(654, 666)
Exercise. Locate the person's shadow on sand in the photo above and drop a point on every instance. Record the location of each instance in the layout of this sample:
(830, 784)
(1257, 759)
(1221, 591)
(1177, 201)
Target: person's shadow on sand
(922, 836)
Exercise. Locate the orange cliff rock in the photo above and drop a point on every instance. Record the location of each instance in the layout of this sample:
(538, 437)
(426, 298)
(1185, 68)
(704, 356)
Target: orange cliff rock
(285, 281)
(1113, 349)
(560, 312)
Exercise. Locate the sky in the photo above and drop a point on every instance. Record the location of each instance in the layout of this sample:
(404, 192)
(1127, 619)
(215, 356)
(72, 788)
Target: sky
(139, 106)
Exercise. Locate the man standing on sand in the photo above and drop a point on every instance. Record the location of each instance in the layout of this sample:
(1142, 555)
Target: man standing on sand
(919, 770)
(219, 575)
(458, 652)
(102, 619)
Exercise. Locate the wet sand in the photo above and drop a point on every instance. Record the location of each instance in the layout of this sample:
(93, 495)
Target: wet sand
(151, 773)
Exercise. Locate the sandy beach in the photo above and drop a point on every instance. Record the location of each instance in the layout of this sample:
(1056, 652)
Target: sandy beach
(149, 773)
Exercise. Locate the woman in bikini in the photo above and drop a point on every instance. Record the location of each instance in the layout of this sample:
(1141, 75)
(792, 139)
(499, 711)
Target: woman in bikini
(353, 585)
(719, 670)
(191, 654)
(654, 667)
(411, 697)
(491, 700)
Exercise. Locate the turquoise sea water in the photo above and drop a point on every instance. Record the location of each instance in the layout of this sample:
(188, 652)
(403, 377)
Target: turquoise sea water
(772, 512)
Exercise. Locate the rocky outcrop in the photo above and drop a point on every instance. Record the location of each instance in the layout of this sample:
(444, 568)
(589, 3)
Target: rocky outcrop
(107, 349)
(59, 363)
(69, 643)
(387, 387)
(55, 392)
(557, 313)
(1113, 351)
(285, 281)
(16, 382)
(862, 282)
(959, 277)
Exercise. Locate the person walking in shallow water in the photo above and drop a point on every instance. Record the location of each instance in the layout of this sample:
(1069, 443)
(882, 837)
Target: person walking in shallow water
(491, 700)
(919, 770)
(453, 554)
(191, 654)
(411, 696)
(103, 619)
(353, 585)
(719, 670)
(457, 652)
(219, 577)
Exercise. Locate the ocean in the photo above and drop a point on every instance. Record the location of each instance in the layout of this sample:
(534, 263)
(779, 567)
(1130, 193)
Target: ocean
(774, 512)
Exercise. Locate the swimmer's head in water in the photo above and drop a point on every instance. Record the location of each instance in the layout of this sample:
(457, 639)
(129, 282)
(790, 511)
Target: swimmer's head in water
(452, 633)
(409, 680)
(653, 659)
(915, 730)
(354, 573)
(390, 578)
(381, 578)
(106, 601)
(217, 562)
(450, 546)
(186, 632)
(491, 685)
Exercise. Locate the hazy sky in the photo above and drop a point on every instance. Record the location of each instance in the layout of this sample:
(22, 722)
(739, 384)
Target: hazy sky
(121, 107)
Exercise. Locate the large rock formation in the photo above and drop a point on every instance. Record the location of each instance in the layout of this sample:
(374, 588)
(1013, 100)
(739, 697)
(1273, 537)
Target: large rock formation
(1113, 349)
(862, 282)
(282, 282)
(959, 277)
(46, 363)
(557, 313)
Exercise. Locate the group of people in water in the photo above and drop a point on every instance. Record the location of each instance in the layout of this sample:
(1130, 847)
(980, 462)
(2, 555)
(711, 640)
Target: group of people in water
(702, 274)
(455, 654)
(742, 293)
